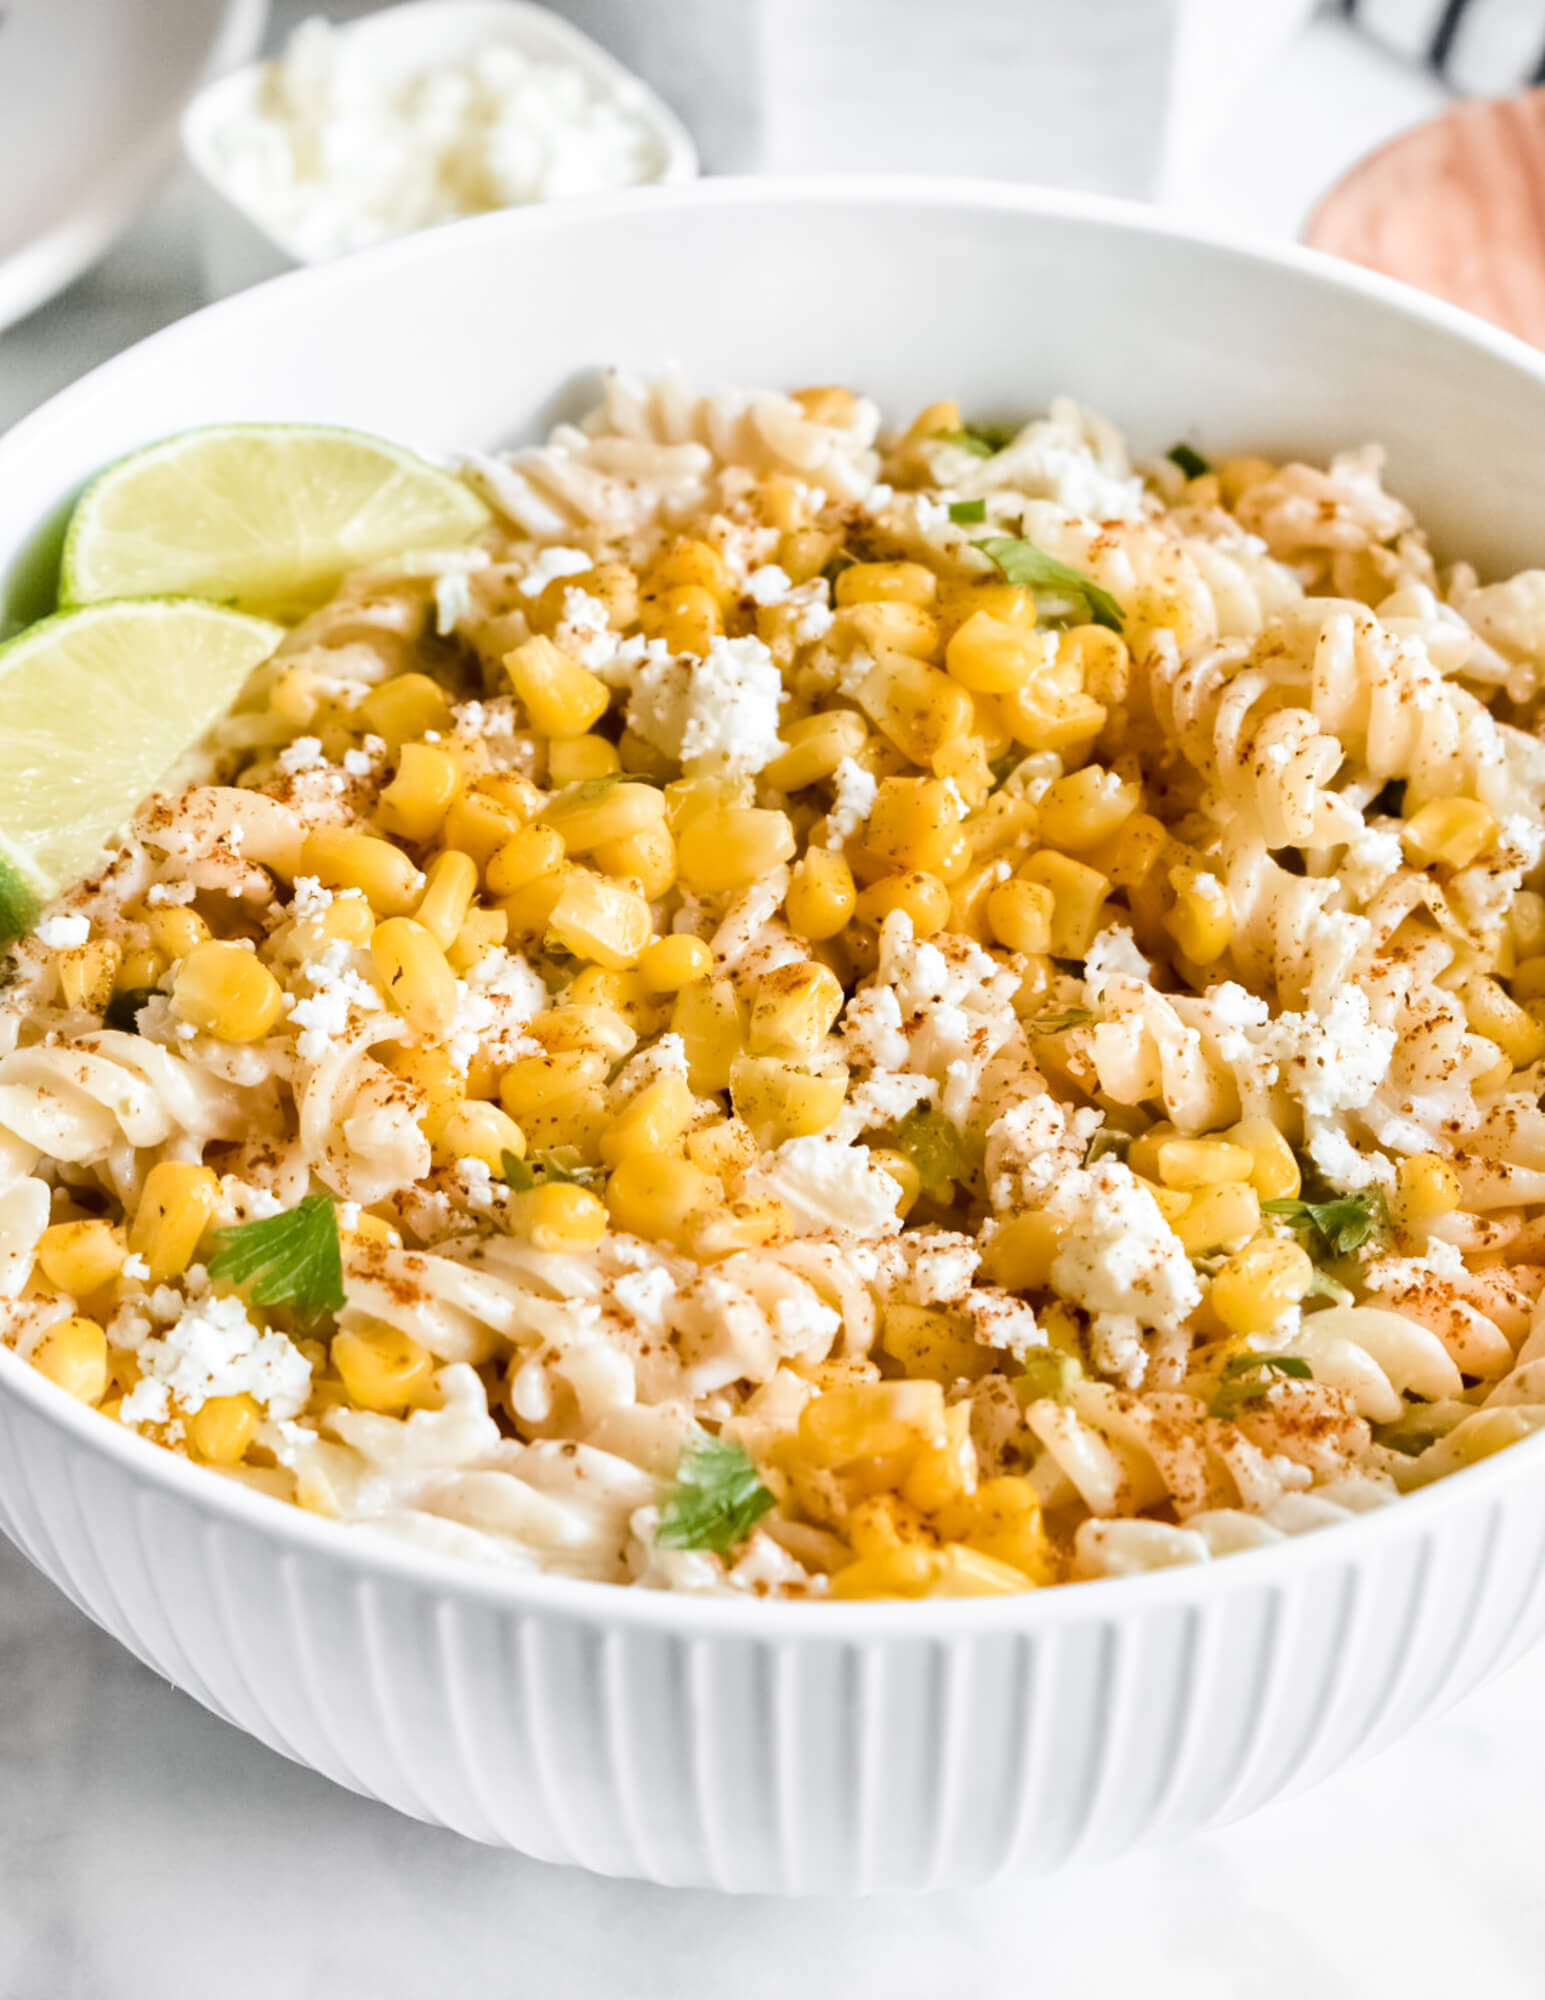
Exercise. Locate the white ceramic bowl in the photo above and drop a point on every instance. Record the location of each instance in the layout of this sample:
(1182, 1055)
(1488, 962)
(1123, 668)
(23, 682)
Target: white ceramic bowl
(786, 1747)
(239, 249)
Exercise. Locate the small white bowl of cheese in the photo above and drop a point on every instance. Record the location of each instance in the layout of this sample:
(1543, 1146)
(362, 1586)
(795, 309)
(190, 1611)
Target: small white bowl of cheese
(409, 118)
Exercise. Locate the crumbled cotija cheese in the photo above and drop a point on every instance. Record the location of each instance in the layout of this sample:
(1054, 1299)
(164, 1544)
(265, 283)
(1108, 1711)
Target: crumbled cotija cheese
(719, 714)
(63, 933)
(212, 1349)
(824, 1186)
(335, 152)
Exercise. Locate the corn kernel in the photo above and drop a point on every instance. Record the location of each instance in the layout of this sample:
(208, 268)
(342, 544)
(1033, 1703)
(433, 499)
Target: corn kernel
(558, 1216)
(905, 1571)
(1132, 854)
(478, 826)
(342, 859)
(225, 990)
(480, 932)
(991, 657)
(646, 859)
(1101, 661)
(923, 898)
(670, 963)
(449, 888)
(1273, 1170)
(413, 806)
(697, 563)
(1260, 1283)
(140, 971)
(580, 760)
(220, 1430)
(382, 1368)
(1022, 1250)
(541, 1084)
(804, 552)
(725, 1149)
(1020, 916)
(1216, 1216)
(914, 823)
(415, 975)
(409, 705)
(817, 744)
(732, 847)
(707, 1015)
(878, 1420)
(794, 1008)
(930, 1345)
(909, 1182)
(822, 896)
(1078, 895)
(471, 1130)
(781, 1100)
(529, 855)
(561, 697)
(886, 583)
(1426, 1186)
(659, 1199)
(175, 932)
(1453, 831)
(81, 1257)
(348, 919)
(72, 1354)
(1002, 1521)
(1199, 1163)
(917, 707)
(604, 922)
(528, 910)
(1043, 715)
(652, 1123)
(176, 1206)
(88, 974)
(585, 816)
(1490, 1012)
(1202, 921)
(877, 627)
(1086, 808)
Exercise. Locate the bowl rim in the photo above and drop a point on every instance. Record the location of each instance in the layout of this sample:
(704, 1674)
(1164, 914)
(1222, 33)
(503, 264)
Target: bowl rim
(372, 1552)
(209, 105)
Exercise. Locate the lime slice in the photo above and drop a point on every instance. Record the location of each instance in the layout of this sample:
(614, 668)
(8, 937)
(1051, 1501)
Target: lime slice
(266, 517)
(96, 706)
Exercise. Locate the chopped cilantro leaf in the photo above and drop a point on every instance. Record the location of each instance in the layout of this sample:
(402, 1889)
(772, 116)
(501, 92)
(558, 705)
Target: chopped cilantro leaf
(980, 443)
(286, 1260)
(941, 1153)
(1238, 1389)
(1048, 1372)
(1033, 569)
(717, 1498)
(1106, 1145)
(123, 1009)
(1191, 463)
(1059, 1023)
(559, 1163)
(963, 512)
(1336, 1228)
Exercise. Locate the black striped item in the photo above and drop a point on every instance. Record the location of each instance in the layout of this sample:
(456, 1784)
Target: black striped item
(1480, 47)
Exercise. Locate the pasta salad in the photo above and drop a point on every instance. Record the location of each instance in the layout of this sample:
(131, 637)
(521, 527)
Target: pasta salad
(822, 1013)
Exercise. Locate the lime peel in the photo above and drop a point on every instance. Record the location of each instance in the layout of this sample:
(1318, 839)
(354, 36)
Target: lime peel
(264, 517)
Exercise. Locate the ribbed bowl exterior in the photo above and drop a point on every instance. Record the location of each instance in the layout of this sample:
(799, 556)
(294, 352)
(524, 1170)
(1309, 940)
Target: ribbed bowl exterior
(786, 1749)
(802, 1748)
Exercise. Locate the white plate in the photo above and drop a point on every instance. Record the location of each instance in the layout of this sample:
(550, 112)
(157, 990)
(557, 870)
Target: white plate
(90, 92)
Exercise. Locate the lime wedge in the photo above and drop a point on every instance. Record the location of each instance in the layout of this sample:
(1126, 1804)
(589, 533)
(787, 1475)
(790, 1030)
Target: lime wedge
(266, 517)
(96, 706)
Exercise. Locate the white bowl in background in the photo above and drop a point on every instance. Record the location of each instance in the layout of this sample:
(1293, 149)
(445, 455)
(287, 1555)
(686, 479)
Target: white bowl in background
(782, 1746)
(237, 246)
(90, 95)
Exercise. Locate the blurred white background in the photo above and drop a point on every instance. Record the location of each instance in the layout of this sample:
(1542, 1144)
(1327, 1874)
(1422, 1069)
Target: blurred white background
(146, 1849)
